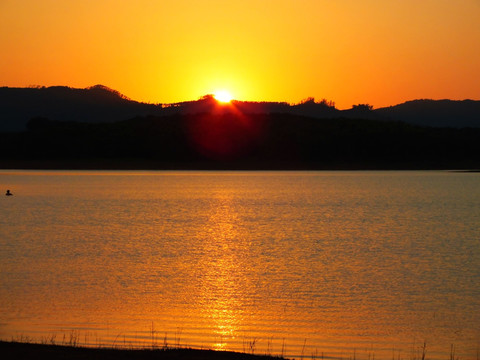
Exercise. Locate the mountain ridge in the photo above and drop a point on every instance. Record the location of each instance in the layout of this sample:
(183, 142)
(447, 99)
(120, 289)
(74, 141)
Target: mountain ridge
(101, 104)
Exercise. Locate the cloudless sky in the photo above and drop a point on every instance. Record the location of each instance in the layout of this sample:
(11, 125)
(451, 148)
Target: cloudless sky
(381, 52)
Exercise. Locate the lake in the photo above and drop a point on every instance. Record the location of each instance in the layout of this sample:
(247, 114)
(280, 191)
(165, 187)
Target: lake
(301, 264)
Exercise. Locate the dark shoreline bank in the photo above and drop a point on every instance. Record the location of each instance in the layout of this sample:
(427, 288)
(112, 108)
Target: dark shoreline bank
(225, 142)
(140, 164)
(20, 351)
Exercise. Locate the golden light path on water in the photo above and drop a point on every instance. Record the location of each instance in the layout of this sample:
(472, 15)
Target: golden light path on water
(220, 266)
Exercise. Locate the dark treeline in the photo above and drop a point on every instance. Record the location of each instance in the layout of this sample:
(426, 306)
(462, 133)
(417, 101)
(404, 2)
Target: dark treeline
(239, 141)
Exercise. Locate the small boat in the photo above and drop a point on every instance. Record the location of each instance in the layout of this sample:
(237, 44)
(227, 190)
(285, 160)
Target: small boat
(8, 193)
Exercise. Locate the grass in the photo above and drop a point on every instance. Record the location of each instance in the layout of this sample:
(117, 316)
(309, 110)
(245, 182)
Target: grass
(70, 346)
(21, 350)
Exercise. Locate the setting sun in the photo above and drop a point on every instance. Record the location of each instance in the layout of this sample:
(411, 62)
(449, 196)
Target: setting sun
(223, 96)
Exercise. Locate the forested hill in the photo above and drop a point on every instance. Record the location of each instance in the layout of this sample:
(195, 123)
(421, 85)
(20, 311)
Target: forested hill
(99, 104)
(95, 104)
(436, 113)
(238, 141)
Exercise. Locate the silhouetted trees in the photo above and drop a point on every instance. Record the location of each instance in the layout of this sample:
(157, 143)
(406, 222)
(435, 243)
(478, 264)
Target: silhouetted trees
(363, 107)
(311, 102)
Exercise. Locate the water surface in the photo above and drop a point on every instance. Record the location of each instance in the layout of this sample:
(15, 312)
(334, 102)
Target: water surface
(292, 263)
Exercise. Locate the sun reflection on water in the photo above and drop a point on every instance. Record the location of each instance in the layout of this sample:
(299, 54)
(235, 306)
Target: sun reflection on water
(225, 249)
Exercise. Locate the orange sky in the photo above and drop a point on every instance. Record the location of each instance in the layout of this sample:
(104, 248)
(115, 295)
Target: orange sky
(378, 51)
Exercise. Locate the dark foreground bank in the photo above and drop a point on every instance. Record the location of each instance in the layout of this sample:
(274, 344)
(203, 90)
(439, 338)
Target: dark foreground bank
(19, 351)
(228, 141)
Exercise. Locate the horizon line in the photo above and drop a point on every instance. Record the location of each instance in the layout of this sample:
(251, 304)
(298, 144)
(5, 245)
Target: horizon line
(202, 97)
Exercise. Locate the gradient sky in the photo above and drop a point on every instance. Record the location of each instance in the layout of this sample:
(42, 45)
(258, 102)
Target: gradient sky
(381, 52)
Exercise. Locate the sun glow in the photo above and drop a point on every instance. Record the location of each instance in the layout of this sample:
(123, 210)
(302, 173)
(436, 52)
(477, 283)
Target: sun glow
(223, 96)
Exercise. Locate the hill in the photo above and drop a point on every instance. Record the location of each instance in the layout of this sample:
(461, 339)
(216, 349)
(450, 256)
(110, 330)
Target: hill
(99, 104)
(97, 127)
(94, 104)
(435, 113)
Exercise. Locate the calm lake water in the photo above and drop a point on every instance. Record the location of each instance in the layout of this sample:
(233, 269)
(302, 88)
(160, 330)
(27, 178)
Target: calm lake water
(364, 264)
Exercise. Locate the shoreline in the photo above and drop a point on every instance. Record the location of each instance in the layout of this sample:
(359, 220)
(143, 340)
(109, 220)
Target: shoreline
(11, 350)
(142, 165)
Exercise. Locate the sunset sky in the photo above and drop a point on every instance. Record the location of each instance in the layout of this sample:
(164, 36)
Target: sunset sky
(381, 52)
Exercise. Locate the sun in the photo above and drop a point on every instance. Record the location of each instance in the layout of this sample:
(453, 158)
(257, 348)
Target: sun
(223, 96)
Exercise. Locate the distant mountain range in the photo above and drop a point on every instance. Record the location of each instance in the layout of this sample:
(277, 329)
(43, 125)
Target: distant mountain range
(100, 104)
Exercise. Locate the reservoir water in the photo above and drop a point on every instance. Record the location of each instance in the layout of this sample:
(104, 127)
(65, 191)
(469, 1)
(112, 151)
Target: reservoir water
(301, 264)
